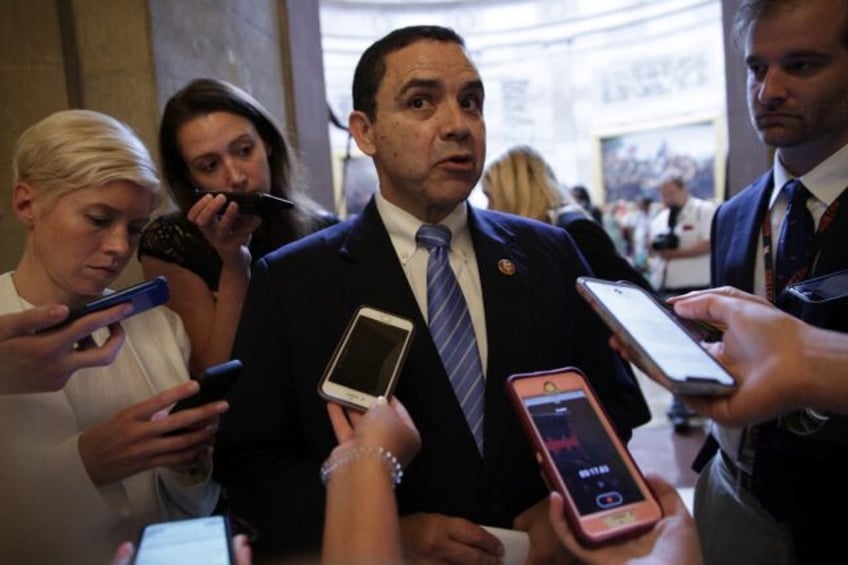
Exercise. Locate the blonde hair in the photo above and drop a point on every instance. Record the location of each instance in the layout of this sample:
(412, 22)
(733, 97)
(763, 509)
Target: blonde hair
(522, 183)
(74, 149)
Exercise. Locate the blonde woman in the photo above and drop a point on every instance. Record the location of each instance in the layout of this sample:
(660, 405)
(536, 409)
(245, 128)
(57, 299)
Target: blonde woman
(86, 466)
(521, 182)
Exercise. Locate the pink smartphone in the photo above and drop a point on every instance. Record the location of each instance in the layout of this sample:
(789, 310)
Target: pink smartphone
(606, 497)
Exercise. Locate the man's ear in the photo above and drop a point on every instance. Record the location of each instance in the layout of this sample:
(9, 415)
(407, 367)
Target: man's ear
(360, 128)
(23, 203)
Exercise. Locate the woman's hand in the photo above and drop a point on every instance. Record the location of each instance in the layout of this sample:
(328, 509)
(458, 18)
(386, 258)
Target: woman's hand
(135, 439)
(385, 425)
(227, 231)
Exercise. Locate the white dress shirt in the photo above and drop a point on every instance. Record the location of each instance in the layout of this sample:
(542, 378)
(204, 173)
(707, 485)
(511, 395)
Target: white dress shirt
(402, 227)
(52, 511)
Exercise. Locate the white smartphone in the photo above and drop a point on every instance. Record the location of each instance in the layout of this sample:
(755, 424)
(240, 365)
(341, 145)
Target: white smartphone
(367, 359)
(664, 349)
(605, 496)
(204, 540)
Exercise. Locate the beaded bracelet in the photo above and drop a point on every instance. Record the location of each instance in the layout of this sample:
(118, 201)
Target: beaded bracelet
(391, 463)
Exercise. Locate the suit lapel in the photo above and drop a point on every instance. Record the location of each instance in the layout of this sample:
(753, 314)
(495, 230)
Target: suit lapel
(504, 280)
(737, 235)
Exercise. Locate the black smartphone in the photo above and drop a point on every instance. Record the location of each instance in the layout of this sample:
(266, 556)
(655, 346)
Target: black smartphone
(204, 540)
(664, 348)
(605, 496)
(215, 382)
(257, 203)
(821, 301)
(144, 296)
(367, 359)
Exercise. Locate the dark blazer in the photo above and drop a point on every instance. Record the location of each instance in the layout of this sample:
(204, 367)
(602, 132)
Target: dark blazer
(736, 230)
(599, 250)
(276, 434)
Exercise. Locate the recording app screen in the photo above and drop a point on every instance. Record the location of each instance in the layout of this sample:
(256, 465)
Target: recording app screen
(671, 348)
(368, 358)
(200, 540)
(588, 463)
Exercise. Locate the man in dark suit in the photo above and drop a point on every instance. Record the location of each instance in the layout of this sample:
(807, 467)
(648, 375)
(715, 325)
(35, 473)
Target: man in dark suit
(762, 497)
(418, 112)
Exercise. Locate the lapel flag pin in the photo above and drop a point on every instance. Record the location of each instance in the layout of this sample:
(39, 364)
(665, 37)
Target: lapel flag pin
(507, 267)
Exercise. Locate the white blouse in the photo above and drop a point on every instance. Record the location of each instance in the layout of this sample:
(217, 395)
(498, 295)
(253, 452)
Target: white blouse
(50, 511)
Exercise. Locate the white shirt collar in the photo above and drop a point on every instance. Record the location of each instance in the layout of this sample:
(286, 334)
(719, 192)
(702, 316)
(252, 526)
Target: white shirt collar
(825, 181)
(402, 226)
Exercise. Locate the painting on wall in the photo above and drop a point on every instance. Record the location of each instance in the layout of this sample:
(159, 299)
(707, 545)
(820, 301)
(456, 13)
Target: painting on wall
(633, 163)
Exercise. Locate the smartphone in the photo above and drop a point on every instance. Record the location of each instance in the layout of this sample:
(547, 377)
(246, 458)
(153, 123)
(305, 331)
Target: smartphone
(215, 382)
(664, 348)
(144, 296)
(368, 358)
(258, 203)
(204, 540)
(821, 301)
(700, 330)
(605, 494)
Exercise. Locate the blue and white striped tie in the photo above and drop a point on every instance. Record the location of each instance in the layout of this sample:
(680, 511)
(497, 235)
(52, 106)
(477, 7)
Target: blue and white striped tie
(451, 329)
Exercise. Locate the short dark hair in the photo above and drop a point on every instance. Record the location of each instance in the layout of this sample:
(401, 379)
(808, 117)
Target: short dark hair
(372, 64)
(752, 10)
(580, 192)
(674, 179)
(205, 96)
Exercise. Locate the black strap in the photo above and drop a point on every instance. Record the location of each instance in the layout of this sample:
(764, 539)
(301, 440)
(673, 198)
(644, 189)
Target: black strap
(673, 212)
(705, 454)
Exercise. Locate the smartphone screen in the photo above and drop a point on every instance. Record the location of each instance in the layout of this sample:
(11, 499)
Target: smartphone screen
(197, 540)
(664, 348)
(604, 492)
(368, 358)
(596, 477)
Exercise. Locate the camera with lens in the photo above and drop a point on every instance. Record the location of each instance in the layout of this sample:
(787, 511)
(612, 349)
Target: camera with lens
(665, 241)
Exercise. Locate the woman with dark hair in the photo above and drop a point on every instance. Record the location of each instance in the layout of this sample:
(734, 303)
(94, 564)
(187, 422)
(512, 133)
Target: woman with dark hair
(216, 137)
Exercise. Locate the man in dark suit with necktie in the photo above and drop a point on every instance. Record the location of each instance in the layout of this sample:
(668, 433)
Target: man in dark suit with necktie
(418, 112)
(762, 497)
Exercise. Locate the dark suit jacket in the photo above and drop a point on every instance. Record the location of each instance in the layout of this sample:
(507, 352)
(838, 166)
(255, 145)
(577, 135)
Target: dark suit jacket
(599, 250)
(736, 230)
(276, 434)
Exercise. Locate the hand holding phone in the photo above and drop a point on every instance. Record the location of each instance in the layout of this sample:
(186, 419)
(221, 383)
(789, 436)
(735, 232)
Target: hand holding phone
(257, 203)
(204, 540)
(214, 382)
(143, 296)
(662, 346)
(606, 498)
(367, 359)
